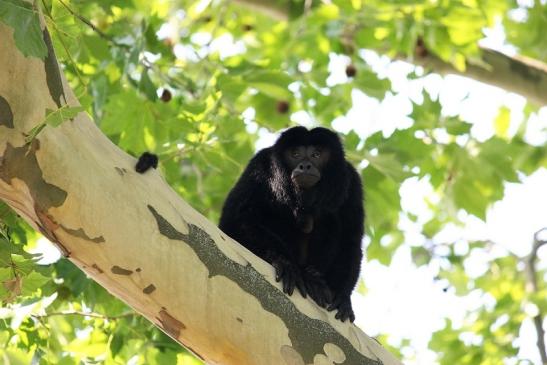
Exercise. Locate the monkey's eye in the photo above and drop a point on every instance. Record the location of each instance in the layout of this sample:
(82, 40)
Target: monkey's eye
(316, 154)
(295, 154)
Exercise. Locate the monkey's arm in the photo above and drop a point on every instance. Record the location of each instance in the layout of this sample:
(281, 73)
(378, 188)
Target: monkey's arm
(245, 218)
(263, 242)
(347, 264)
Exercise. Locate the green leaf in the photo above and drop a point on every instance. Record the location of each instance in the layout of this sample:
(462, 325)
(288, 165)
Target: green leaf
(388, 165)
(457, 127)
(147, 86)
(457, 278)
(272, 83)
(231, 87)
(56, 117)
(267, 113)
(352, 141)
(33, 282)
(6, 273)
(116, 344)
(375, 251)
(97, 46)
(426, 115)
(368, 82)
(34, 132)
(468, 195)
(16, 356)
(21, 16)
(432, 227)
(502, 122)
(129, 118)
(420, 256)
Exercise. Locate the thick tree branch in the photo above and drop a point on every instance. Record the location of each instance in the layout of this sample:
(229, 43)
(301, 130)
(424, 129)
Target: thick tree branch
(521, 75)
(135, 236)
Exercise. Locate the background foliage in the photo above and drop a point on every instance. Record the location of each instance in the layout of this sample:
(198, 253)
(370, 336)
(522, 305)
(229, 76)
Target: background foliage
(199, 82)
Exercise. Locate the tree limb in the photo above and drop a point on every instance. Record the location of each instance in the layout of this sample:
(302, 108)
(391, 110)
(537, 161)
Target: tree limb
(518, 74)
(137, 238)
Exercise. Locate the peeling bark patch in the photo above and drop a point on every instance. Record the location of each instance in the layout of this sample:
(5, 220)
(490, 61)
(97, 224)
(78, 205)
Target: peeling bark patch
(170, 324)
(291, 356)
(21, 163)
(308, 335)
(334, 353)
(96, 267)
(81, 234)
(6, 115)
(53, 76)
(120, 270)
(149, 289)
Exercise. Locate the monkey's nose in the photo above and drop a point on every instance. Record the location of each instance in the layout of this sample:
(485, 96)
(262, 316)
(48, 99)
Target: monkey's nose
(305, 166)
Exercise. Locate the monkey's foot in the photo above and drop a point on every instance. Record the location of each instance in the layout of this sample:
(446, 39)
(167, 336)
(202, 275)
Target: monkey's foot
(317, 287)
(343, 305)
(289, 274)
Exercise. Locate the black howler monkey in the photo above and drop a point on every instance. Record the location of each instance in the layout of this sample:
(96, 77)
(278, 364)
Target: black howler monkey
(299, 206)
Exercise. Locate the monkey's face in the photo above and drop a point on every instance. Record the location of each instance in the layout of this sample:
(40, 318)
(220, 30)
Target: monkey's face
(306, 164)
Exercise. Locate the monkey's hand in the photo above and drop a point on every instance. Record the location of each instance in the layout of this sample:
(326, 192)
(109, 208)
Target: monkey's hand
(289, 274)
(317, 287)
(342, 303)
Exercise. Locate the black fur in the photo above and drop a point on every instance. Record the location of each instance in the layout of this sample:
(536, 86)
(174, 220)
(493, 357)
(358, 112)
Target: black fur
(146, 161)
(270, 216)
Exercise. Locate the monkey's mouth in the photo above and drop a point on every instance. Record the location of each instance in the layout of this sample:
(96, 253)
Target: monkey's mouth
(305, 180)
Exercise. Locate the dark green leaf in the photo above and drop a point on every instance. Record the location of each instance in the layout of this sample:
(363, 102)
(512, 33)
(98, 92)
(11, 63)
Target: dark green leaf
(23, 18)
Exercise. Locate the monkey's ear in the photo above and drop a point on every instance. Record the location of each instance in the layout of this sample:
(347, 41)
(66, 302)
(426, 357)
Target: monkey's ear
(146, 161)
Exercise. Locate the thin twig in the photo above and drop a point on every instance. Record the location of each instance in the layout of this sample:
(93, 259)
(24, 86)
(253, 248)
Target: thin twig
(85, 314)
(91, 25)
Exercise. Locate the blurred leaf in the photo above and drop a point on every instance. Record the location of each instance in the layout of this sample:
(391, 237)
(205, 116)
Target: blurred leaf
(147, 87)
(116, 344)
(502, 121)
(457, 127)
(272, 83)
(457, 277)
(420, 256)
(388, 165)
(368, 82)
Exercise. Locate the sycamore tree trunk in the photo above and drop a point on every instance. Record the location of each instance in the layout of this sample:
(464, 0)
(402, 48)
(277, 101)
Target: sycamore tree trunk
(137, 238)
